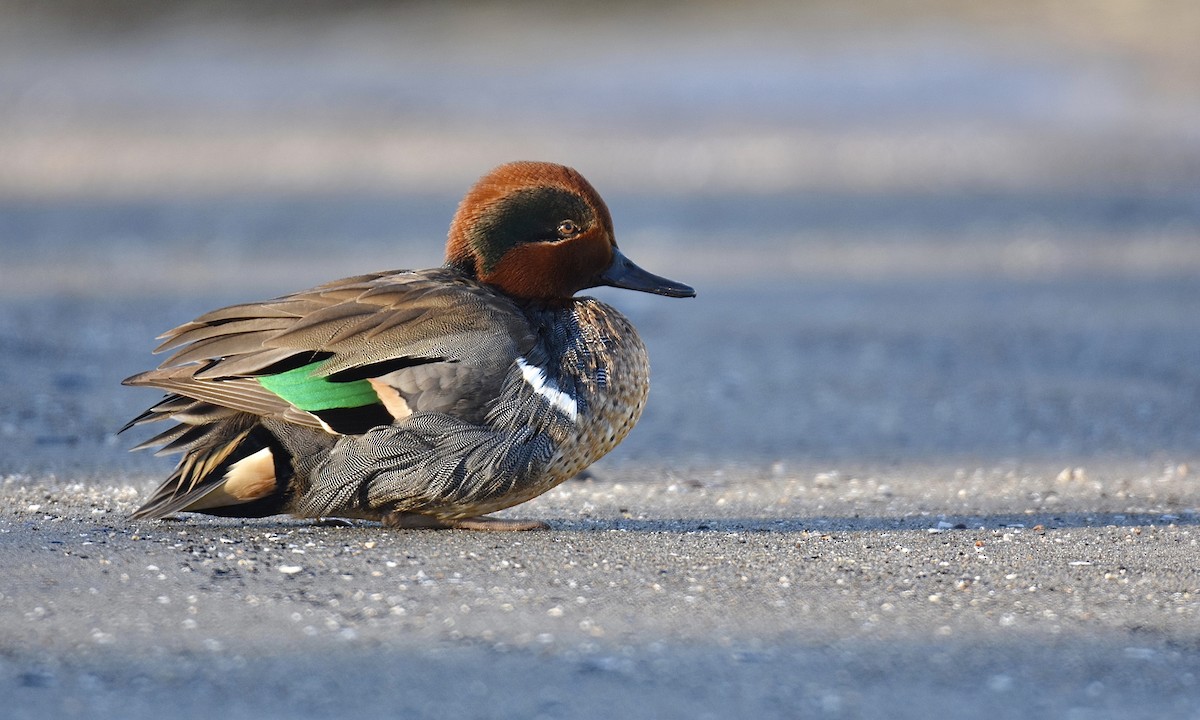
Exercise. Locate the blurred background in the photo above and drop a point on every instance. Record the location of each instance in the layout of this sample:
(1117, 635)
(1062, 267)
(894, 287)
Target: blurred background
(923, 230)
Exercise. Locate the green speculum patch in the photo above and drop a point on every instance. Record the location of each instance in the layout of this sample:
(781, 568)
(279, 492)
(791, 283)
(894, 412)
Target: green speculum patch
(311, 393)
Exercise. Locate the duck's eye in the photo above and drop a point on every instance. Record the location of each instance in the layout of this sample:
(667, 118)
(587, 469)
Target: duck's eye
(567, 228)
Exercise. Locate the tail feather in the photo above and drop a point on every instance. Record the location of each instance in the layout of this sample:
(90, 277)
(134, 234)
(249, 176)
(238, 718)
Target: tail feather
(163, 439)
(231, 464)
(234, 463)
(192, 436)
(181, 409)
(246, 475)
(198, 473)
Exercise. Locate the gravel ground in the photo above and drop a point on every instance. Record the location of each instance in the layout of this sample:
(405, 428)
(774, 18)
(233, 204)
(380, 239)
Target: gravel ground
(999, 592)
(807, 521)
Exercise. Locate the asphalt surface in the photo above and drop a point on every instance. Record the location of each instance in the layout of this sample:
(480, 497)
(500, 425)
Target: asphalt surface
(653, 596)
(971, 498)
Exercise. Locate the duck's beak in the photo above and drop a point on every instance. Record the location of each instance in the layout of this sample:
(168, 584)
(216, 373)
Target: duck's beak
(623, 273)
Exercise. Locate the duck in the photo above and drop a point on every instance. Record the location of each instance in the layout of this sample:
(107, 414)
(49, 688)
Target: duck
(415, 398)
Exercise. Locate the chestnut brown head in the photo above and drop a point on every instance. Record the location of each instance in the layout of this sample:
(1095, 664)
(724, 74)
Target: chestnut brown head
(540, 231)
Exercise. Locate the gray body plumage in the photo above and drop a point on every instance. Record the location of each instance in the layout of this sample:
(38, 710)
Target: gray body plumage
(490, 401)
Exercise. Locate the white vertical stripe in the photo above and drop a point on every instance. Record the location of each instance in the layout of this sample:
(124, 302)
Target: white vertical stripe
(560, 400)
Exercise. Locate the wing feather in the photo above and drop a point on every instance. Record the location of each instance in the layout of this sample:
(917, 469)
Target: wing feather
(231, 327)
(399, 319)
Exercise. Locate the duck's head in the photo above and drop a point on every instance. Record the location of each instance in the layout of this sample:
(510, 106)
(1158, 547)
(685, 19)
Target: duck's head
(539, 231)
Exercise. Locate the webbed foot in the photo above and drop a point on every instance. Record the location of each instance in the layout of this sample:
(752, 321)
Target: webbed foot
(412, 521)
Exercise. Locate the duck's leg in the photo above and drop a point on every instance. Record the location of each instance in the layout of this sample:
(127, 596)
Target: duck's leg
(483, 522)
(408, 520)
